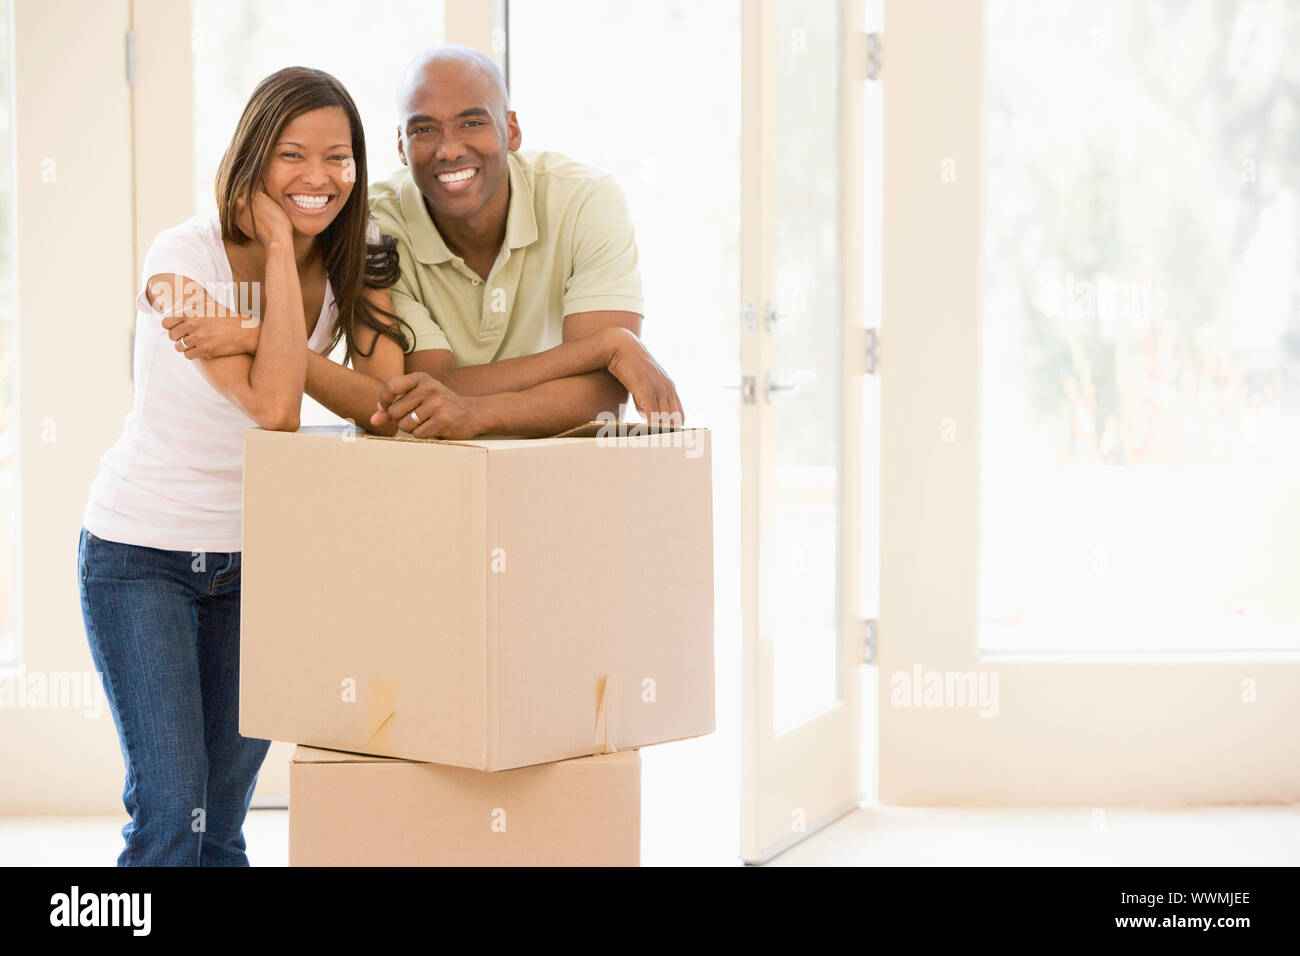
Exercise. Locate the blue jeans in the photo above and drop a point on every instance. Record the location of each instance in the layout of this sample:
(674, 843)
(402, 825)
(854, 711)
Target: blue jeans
(163, 628)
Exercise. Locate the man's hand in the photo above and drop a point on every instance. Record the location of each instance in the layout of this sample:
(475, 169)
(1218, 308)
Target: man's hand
(426, 408)
(653, 392)
(211, 336)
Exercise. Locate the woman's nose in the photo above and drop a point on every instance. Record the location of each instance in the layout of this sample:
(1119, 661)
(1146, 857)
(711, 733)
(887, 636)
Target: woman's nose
(315, 175)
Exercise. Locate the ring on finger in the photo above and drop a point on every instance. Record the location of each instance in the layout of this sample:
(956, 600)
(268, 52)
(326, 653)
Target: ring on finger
(415, 417)
(183, 345)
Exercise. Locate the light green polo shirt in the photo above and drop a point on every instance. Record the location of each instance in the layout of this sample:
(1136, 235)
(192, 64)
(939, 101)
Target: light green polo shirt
(569, 247)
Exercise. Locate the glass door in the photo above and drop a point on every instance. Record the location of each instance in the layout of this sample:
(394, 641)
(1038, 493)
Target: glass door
(801, 419)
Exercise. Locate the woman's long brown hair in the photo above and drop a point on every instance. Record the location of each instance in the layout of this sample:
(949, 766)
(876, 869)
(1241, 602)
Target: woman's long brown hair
(353, 265)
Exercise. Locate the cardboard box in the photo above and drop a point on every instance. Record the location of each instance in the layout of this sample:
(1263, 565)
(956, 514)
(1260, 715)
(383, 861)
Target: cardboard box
(487, 604)
(356, 810)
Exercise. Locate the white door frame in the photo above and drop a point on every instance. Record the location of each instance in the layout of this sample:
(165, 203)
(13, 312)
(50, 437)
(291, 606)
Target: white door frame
(795, 783)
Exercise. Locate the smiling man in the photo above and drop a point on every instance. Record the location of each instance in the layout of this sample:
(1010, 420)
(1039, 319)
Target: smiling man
(519, 270)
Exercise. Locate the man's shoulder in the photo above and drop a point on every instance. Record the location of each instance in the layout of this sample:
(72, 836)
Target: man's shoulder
(385, 198)
(558, 178)
(559, 166)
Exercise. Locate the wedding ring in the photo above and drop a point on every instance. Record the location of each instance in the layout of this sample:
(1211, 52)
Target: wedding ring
(183, 345)
(416, 417)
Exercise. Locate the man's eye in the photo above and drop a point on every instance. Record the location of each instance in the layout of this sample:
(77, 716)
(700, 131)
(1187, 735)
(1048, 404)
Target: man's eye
(421, 129)
(474, 123)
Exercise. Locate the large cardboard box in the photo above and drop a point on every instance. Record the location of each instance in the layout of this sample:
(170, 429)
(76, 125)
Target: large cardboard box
(487, 604)
(356, 810)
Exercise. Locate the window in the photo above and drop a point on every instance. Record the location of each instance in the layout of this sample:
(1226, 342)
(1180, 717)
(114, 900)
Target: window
(1141, 326)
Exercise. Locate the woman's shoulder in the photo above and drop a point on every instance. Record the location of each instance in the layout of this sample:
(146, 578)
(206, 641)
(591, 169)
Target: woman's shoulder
(190, 245)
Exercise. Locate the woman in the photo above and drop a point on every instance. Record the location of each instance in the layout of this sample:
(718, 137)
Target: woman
(159, 553)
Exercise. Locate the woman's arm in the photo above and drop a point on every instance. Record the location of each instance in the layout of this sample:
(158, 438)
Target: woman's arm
(353, 393)
(267, 386)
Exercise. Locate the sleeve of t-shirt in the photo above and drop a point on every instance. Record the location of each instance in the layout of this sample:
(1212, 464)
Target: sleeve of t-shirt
(605, 273)
(407, 304)
(180, 251)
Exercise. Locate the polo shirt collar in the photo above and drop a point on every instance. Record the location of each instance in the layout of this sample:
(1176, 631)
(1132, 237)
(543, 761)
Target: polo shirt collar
(427, 243)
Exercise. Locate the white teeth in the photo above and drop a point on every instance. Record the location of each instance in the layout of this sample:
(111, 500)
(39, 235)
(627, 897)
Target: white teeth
(456, 176)
(310, 202)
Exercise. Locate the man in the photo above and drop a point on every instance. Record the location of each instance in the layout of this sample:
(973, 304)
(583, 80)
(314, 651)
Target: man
(518, 270)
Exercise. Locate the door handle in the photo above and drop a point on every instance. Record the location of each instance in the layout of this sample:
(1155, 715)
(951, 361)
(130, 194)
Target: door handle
(775, 386)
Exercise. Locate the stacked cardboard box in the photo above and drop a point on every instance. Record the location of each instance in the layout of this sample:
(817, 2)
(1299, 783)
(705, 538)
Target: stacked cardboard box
(490, 616)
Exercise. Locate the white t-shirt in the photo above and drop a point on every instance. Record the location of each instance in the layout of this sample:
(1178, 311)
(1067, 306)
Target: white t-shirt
(174, 479)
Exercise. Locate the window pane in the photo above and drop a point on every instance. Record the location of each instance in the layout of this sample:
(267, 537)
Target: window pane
(1141, 369)
(800, 586)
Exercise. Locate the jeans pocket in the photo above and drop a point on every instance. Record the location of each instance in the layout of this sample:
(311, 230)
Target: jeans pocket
(226, 578)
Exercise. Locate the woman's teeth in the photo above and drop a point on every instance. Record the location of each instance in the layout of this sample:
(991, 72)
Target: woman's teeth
(310, 202)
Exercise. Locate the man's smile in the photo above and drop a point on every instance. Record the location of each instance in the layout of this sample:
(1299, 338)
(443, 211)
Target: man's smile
(457, 180)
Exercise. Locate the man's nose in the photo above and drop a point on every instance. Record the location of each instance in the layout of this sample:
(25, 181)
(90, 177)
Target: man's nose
(449, 149)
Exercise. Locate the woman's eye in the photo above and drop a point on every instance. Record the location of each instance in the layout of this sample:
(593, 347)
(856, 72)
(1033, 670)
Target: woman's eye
(342, 159)
(290, 155)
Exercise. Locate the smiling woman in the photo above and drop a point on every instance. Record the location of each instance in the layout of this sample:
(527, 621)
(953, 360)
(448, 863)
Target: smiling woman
(159, 556)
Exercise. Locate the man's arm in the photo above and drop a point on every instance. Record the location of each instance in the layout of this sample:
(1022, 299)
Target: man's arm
(447, 403)
(585, 348)
(435, 411)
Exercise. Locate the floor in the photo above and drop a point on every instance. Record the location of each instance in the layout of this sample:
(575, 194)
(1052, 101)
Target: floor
(1082, 836)
(880, 836)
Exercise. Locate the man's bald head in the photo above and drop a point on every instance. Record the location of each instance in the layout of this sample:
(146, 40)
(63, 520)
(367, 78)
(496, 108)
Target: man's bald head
(454, 120)
(452, 60)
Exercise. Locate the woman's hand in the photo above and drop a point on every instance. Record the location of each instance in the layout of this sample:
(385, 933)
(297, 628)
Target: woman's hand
(212, 336)
(268, 223)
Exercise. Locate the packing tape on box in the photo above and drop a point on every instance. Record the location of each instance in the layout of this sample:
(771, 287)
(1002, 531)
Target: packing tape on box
(606, 701)
(383, 705)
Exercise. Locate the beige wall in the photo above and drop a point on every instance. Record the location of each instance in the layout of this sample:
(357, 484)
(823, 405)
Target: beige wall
(73, 191)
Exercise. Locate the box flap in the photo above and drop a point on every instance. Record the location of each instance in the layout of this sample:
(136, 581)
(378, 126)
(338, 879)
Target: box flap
(619, 429)
(596, 429)
(303, 754)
